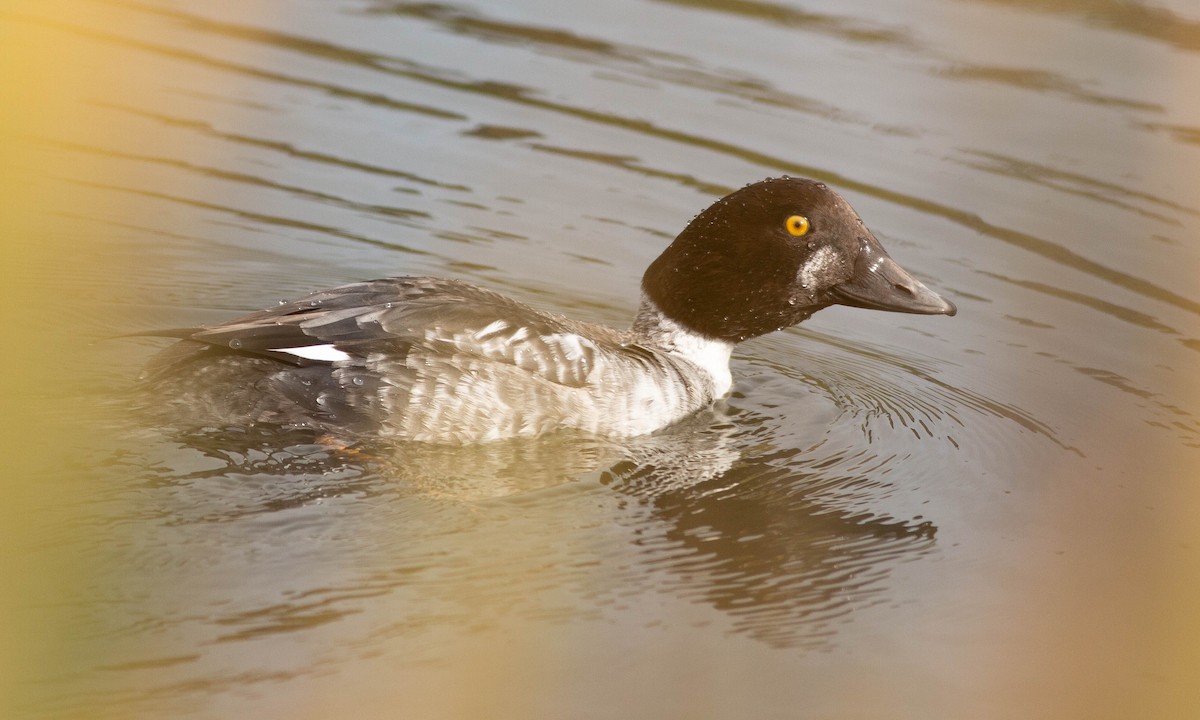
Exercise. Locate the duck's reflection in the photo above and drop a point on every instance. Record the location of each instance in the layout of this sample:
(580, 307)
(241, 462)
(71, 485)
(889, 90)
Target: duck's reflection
(763, 534)
(765, 542)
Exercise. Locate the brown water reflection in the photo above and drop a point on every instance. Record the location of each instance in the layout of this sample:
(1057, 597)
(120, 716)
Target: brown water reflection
(1136, 18)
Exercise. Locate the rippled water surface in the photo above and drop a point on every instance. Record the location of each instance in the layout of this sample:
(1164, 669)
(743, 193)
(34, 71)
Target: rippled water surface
(986, 516)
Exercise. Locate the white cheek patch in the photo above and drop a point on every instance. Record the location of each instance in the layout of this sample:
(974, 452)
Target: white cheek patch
(322, 353)
(816, 266)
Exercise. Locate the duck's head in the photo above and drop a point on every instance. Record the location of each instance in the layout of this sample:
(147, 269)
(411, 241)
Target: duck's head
(769, 255)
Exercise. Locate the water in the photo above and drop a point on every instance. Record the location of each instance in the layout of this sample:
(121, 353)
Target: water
(986, 516)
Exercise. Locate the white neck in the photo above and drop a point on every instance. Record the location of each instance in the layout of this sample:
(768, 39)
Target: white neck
(708, 354)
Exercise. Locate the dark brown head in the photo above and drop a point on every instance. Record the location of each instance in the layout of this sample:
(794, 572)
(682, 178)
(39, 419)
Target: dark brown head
(769, 255)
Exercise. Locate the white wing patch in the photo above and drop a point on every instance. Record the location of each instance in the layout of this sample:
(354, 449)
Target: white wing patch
(322, 353)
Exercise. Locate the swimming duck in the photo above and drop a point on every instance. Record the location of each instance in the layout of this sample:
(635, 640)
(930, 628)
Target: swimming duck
(442, 361)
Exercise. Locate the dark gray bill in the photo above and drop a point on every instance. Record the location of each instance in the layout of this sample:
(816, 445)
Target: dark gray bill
(879, 283)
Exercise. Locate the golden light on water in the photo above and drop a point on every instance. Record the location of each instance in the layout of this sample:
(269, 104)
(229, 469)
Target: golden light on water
(48, 78)
(58, 69)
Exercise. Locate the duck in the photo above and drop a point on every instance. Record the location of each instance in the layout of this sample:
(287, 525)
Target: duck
(437, 360)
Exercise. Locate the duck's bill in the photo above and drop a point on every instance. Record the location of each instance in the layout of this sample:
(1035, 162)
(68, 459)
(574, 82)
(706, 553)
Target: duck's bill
(880, 284)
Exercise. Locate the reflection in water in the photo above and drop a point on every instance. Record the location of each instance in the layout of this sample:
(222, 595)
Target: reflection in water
(646, 63)
(284, 149)
(232, 474)
(1125, 16)
(852, 29)
(1042, 81)
(1125, 196)
(254, 181)
(768, 547)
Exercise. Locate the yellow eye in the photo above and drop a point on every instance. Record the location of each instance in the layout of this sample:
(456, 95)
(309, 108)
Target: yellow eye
(797, 225)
